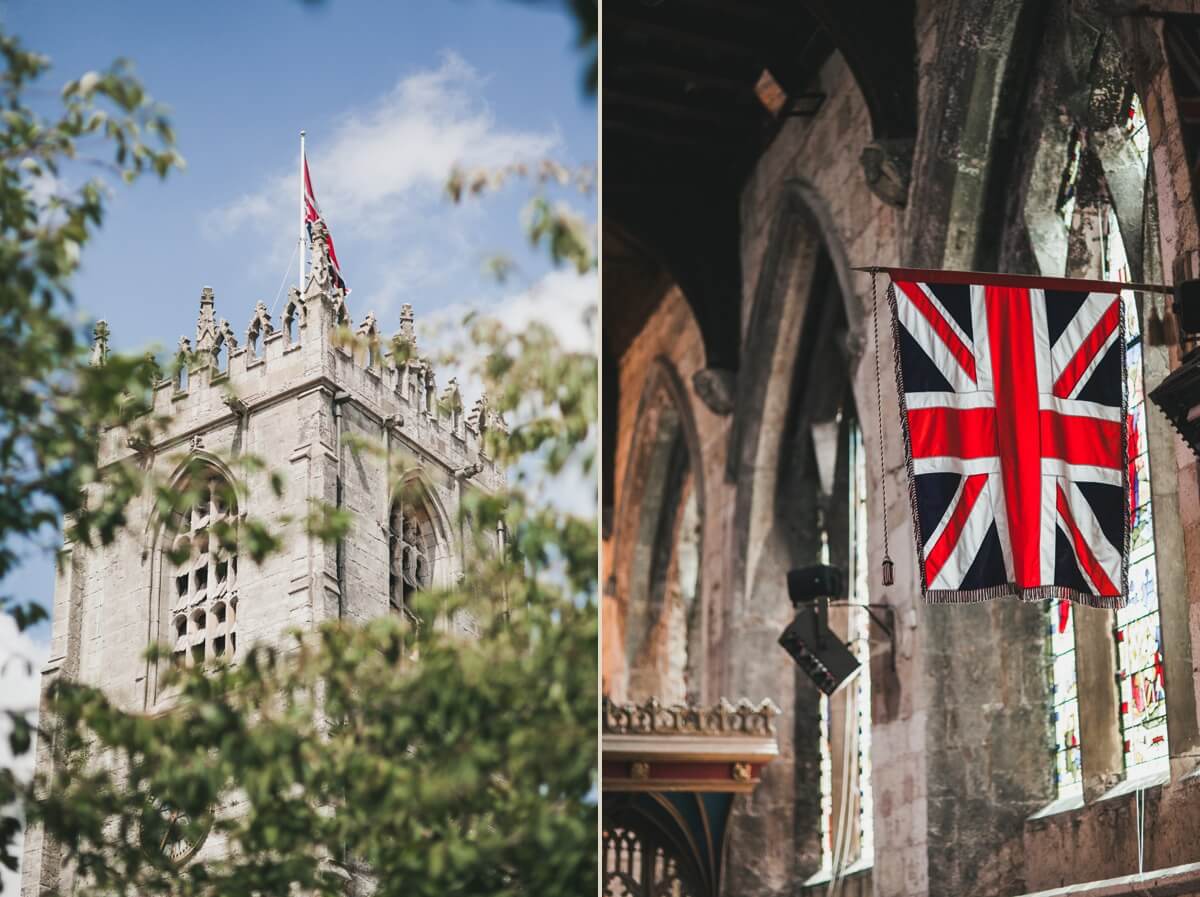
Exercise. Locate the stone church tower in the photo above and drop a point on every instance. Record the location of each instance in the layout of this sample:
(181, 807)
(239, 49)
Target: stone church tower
(296, 398)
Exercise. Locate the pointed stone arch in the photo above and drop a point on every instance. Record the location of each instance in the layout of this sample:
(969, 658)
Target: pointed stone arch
(194, 600)
(804, 273)
(420, 547)
(658, 535)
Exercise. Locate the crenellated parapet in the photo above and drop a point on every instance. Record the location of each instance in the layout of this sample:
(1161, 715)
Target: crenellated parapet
(388, 378)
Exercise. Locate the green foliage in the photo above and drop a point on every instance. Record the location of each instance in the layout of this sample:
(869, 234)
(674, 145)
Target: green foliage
(52, 402)
(555, 226)
(431, 763)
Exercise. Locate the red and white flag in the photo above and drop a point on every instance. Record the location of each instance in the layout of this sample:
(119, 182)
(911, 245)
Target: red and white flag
(312, 214)
(1014, 407)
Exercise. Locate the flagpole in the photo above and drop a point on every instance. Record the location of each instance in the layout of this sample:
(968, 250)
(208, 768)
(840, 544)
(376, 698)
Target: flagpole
(1027, 281)
(303, 251)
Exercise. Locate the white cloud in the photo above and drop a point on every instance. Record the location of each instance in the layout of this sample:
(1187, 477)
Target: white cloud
(563, 300)
(391, 159)
(21, 661)
(566, 303)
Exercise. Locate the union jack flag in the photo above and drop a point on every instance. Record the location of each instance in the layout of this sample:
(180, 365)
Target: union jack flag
(312, 214)
(1014, 407)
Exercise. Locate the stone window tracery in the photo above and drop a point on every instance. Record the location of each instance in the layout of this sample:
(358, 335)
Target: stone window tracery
(412, 550)
(643, 863)
(202, 597)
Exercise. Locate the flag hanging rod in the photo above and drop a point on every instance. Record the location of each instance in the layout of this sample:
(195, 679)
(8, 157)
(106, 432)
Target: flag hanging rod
(934, 275)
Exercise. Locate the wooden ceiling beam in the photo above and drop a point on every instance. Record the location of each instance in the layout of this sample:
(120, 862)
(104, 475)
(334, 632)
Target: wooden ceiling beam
(739, 89)
(716, 145)
(674, 34)
(618, 98)
(738, 9)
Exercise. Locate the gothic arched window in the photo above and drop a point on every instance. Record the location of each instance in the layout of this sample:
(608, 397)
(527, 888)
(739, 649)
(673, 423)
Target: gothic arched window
(664, 618)
(847, 801)
(412, 549)
(648, 853)
(1141, 695)
(201, 597)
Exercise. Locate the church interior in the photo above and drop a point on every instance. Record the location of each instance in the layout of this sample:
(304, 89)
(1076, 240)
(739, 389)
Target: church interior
(757, 154)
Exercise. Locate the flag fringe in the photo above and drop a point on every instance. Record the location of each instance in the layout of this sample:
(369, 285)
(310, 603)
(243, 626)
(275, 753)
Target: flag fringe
(1006, 590)
(1010, 590)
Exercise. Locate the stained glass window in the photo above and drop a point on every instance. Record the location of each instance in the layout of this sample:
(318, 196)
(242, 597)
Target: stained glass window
(856, 847)
(860, 624)
(1141, 692)
(826, 786)
(1064, 700)
(1137, 631)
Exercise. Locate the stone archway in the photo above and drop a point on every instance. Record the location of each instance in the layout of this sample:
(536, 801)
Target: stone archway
(659, 534)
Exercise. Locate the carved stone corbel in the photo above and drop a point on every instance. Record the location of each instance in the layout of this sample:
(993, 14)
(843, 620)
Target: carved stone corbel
(887, 165)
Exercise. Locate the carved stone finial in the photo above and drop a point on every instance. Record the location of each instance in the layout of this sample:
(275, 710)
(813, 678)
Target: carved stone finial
(154, 371)
(408, 329)
(368, 327)
(206, 323)
(404, 340)
(321, 272)
(497, 422)
(477, 418)
(341, 313)
(260, 325)
(451, 399)
(225, 332)
(295, 315)
(100, 343)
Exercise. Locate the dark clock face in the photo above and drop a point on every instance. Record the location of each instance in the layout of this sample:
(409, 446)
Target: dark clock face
(174, 842)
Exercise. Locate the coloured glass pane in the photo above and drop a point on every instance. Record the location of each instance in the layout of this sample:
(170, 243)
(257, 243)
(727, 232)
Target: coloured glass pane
(1141, 689)
(1064, 699)
(860, 623)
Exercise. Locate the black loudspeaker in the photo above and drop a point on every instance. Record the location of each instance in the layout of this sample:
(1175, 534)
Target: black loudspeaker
(819, 581)
(1187, 306)
(817, 650)
(813, 645)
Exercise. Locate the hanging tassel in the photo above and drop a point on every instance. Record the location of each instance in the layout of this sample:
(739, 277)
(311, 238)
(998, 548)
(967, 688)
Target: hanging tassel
(889, 569)
(1170, 327)
(1156, 332)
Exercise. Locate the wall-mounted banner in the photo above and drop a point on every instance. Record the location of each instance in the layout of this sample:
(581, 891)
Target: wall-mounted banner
(1014, 405)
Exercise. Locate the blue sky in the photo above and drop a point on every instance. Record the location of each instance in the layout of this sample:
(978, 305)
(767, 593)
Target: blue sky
(392, 94)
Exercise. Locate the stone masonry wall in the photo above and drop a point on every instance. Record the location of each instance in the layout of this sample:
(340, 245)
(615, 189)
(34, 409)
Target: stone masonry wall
(293, 396)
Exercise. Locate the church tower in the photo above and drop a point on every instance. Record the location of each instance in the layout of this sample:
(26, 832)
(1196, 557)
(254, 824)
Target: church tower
(294, 396)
